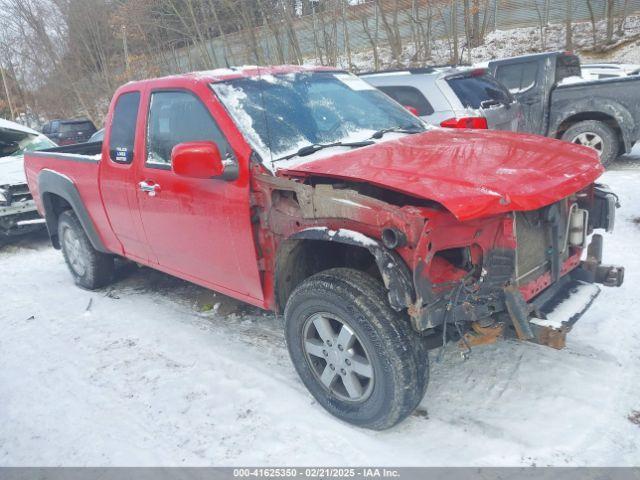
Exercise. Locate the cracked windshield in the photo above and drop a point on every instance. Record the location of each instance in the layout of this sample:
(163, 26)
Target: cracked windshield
(282, 114)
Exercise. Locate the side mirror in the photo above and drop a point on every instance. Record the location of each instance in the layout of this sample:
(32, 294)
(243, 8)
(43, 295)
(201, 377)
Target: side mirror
(197, 160)
(411, 109)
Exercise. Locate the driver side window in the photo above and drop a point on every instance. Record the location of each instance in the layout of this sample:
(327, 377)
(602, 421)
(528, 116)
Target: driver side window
(177, 117)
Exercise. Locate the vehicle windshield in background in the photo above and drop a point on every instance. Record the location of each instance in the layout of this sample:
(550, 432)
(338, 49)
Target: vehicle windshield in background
(479, 91)
(279, 114)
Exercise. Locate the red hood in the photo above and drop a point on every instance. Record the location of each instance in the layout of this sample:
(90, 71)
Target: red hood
(471, 173)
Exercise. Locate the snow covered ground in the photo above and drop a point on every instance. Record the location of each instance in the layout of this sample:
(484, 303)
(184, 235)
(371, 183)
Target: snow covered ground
(155, 371)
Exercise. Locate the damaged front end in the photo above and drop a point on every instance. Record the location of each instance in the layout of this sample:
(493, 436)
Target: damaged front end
(525, 271)
(519, 272)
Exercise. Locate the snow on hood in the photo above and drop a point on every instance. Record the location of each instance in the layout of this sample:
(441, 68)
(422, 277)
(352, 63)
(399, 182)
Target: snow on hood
(12, 171)
(471, 173)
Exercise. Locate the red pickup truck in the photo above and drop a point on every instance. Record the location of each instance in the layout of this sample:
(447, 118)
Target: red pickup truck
(306, 191)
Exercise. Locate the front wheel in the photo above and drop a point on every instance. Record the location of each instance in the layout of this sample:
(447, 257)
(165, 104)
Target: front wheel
(596, 135)
(358, 358)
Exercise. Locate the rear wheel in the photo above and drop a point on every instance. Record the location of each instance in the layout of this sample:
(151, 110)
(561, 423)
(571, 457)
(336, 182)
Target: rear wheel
(597, 135)
(90, 268)
(357, 356)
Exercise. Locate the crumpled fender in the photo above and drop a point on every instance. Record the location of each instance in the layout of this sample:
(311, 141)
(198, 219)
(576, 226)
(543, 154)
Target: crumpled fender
(394, 271)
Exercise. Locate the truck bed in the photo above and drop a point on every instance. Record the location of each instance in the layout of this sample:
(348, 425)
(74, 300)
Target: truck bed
(72, 168)
(618, 97)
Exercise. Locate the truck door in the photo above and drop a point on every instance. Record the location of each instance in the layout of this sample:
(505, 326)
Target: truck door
(525, 81)
(198, 229)
(119, 148)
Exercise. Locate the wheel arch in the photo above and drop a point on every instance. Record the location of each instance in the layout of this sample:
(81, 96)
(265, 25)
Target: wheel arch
(310, 251)
(58, 193)
(611, 115)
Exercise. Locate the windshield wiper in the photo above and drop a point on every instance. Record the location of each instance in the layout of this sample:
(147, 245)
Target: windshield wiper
(406, 129)
(315, 147)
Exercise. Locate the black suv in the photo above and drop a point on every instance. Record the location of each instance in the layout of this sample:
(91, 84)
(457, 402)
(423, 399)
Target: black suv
(67, 132)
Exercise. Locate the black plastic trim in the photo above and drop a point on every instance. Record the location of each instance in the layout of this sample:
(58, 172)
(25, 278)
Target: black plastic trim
(54, 183)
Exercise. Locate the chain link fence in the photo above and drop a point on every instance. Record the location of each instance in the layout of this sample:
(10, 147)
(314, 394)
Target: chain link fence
(382, 33)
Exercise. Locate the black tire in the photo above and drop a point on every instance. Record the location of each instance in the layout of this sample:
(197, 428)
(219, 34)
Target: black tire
(398, 358)
(90, 268)
(610, 143)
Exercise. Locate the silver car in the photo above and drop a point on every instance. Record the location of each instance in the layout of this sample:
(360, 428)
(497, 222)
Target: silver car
(451, 97)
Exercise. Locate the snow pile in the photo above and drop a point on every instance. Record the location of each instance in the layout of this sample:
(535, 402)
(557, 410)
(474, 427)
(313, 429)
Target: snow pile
(572, 80)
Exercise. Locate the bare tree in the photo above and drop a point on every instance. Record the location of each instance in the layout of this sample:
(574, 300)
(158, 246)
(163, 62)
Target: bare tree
(594, 32)
(568, 25)
(391, 29)
(372, 34)
(455, 59)
(610, 16)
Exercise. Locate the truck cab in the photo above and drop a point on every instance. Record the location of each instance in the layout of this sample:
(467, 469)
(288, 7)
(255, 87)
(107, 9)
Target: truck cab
(307, 192)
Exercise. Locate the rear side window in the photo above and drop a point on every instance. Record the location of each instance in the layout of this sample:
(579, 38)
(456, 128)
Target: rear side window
(123, 127)
(479, 91)
(567, 66)
(518, 77)
(177, 117)
(54, 127)
(409, 96)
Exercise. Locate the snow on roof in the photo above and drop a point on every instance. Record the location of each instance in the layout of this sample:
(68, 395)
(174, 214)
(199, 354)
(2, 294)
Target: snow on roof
(230, 73)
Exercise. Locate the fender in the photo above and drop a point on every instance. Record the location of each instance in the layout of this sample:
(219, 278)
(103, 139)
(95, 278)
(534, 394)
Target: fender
(394, 271)
(565, 109)
(54, 183)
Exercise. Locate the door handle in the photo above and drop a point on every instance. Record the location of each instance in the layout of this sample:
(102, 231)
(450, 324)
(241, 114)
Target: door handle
(151, 189)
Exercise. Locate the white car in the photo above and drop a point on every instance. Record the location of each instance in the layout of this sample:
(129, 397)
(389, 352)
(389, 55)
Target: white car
(598, 71)
(18, 212)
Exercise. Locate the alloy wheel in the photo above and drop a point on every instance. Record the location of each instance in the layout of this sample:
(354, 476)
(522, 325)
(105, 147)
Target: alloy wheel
(338, 357)
(591, 140)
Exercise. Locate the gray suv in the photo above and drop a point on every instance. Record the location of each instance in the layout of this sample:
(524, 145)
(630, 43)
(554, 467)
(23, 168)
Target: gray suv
(451, 97)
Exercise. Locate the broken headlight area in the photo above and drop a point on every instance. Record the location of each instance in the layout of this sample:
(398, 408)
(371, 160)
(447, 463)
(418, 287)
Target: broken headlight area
(531, 281)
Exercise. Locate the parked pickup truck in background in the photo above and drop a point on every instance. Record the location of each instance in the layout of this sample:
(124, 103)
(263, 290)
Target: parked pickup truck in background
(307, 191)
(558, 103)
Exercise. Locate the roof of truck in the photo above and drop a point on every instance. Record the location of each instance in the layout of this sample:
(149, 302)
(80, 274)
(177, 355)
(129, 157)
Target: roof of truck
(245, 71)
